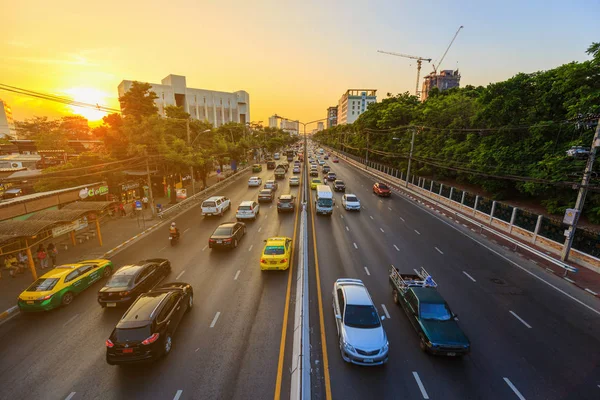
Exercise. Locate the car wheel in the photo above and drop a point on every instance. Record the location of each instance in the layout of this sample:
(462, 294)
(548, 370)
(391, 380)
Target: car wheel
(395, 296)
(190, 303)
(221, 214)
(67, 299)
(235, 243)
(168, 344)
(106, 273)
(422, 344)
(244, 231)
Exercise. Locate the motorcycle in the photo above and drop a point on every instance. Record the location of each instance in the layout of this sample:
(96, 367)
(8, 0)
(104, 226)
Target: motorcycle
(173, 238)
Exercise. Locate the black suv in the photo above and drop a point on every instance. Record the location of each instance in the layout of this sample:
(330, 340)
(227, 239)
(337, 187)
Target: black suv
(145, 332)
(339, 186)
(132, 280)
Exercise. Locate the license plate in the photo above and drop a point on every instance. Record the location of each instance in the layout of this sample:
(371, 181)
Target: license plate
(111, 304)
(273, 262)
(219, 241)
(368, 360)
(451, 354)
(29, 302)
(127, 350)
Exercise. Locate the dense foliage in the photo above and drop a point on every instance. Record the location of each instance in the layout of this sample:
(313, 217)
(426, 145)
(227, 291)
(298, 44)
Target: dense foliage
(509, 138)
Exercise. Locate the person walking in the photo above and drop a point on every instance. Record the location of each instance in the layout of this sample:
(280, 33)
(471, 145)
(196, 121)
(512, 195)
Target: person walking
(145, 201)
(122, 211)
(52, 252)
(42, 256)
(23, 260)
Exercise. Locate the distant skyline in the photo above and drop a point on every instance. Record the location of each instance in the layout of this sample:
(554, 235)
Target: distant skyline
(295, 59)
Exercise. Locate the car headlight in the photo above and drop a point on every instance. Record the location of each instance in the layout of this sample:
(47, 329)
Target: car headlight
(386, 347)
(349, 347)
(429, 344)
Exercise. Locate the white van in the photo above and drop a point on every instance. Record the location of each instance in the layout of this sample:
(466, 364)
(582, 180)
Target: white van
(216, 205)
(324, 200)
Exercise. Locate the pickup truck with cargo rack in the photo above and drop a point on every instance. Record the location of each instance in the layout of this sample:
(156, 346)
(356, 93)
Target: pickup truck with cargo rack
(280, 172)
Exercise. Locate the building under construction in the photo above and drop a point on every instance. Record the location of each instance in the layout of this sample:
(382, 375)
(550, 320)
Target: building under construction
(446, 79)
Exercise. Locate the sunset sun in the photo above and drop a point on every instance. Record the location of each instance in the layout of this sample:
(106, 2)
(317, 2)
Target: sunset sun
(88, 96)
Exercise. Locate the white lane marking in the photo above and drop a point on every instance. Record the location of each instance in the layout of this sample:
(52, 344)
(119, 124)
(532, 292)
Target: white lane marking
(465, 225)
(259, 229)
(236, 275)
(179, 276)
(342, 216)
(271, 206)
(162, 249)
(590, 291)
(370, 216)
(71, 320)
(266, 216)
(396, 247)
(197, 350)
(204, 248)
(469, 276)
(348, 229)
(520, 319)
(178, 394)
(473, 229)
(250, 248)
(381, 229)
(337, 206)
(517, 265)
(214, 321)
(390, 208)
(355, 246)
(187, 230)
(402, 219)
(514, 389)
(387, 314)
(70, 396)
(421, 387)
(439, 251)
(568, 279)
(367, 271)
(417, 232)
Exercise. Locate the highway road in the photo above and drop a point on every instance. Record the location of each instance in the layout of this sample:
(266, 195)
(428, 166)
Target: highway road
(228, 347)
(528, 339)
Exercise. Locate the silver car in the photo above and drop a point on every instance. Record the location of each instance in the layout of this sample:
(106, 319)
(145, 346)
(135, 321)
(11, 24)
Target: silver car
(362, 338)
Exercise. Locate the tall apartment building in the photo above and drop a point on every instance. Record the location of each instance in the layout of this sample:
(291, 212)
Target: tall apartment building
(353, 103)
(273, 122)
(292, 127)
(446, 79)
(320, 126)
(7, 123)
(332, 116)
(216, 107)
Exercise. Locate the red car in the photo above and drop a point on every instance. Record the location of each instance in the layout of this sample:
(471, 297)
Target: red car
(335, 160)
(381, 189)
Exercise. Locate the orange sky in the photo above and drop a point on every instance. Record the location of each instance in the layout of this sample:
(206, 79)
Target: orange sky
(294, 58)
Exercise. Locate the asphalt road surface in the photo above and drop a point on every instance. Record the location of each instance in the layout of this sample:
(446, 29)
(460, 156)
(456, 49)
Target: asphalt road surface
(227, 347)
(528, 339)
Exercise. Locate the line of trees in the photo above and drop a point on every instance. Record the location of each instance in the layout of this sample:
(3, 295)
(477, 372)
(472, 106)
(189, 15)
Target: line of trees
(492, 136)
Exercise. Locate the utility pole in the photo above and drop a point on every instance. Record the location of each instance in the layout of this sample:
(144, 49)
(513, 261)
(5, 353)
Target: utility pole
(187, 127)
(367, 153)
(152, 207)
(412, 145)
(570, 233)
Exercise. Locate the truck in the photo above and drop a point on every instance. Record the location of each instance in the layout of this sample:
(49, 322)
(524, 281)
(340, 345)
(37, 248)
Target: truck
(280, 172)
(428, 313)
(290, 155)
(324, 200)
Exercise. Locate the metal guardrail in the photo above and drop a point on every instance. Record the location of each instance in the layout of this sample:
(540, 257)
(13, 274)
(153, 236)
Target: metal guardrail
(392, 182)
(201, 196)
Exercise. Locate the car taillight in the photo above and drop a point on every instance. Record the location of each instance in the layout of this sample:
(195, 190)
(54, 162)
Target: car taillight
(227, 240)
(46, 297)
(109, 344)
(211, 240)
(262, 260)
(283, 261)
(151, 339)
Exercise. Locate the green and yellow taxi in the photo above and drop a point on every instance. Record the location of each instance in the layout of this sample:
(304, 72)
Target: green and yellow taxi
(276, 254)
(315, 182)
(59, 286)
(256, 168)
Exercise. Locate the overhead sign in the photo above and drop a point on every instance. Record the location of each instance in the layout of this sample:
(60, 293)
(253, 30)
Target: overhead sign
(570, 216)
(85, 193)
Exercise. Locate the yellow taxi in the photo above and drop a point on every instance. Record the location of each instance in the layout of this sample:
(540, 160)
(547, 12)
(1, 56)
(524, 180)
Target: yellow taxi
(315, 182)
(59, 286)
(276, 254)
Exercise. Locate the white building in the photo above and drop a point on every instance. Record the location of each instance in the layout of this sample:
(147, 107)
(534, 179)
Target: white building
(7, 123)
(320, 126)
(353, 103)
(292, 127)
(218, 108)
(273, 122)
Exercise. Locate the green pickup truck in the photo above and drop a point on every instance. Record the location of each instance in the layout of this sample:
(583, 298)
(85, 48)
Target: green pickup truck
(428, 313)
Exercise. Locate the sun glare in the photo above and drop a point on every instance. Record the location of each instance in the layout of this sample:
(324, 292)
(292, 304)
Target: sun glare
(88, 96)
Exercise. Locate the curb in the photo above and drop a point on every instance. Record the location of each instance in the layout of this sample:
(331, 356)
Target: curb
(8, 314)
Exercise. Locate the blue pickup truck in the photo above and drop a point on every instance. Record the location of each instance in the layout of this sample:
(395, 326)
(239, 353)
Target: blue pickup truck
(428, 313)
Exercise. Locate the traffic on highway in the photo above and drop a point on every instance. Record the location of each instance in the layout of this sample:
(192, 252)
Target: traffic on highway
(403, 303)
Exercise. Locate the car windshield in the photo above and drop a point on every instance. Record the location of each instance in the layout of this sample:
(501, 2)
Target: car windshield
(208, 204)
(316, 181)
(435, 311)
(43, 285)
(274, 250)
(222, 231)
(285, 200)
(361, 317)
(382, 186)
(244, 208)
(339, 183)
(325, 202)
(119, 281)
(351, 199)
(265, 192)
(132, 335)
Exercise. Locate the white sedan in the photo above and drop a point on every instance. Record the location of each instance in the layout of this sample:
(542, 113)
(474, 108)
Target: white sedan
(254, 181)
(350, 202)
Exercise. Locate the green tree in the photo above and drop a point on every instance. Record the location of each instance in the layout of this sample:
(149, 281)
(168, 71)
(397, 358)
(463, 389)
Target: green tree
(138, 101)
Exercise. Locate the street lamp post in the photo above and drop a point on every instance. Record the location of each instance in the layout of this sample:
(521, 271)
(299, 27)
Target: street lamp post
(191, 144)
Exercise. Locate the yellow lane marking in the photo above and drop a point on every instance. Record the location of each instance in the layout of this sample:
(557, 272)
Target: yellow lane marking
(286, 310)
(320, 299)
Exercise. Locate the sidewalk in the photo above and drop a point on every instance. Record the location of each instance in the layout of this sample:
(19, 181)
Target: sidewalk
(115, 230)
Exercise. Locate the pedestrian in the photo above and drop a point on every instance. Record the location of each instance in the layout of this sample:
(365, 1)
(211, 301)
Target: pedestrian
(52, 252)
(42, 256)
(10, 263)
(145, 201)
(122, 211)
(23, 261)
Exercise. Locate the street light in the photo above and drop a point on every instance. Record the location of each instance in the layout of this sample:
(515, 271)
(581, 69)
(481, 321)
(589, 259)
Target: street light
(191, 144)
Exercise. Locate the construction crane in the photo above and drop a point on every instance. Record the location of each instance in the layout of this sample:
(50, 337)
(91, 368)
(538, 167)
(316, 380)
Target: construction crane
(435, 68)
(419, 61)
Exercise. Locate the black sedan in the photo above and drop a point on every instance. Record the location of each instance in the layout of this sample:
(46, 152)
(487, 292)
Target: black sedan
(227, 235)
(285, 203)
(145, 332)
(339, 185)
(265, 195)
(132, 280)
